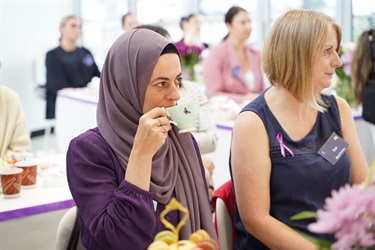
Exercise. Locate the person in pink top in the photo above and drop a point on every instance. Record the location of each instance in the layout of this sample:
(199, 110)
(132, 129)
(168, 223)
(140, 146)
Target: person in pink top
(233, 68)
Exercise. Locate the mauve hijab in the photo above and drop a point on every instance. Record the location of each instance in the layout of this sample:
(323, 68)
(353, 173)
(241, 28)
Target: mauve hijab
(125, 75)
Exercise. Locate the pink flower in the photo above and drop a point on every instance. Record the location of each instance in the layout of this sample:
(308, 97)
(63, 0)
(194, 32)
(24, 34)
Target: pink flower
(350, 215)
(346, 62)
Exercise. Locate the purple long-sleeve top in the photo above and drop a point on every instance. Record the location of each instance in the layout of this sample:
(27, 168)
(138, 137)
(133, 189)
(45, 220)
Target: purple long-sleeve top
(114, 214)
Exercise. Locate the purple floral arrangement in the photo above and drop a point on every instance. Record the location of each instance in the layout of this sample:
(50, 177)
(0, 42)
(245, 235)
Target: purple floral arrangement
(189, 57)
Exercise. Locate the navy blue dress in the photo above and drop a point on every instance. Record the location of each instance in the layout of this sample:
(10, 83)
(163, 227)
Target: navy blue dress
(300, 182)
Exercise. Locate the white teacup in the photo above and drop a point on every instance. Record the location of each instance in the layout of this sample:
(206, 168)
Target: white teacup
(184, 116)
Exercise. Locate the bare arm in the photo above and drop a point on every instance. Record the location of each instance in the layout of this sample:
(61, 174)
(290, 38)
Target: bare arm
(251, 167)
(357, 158)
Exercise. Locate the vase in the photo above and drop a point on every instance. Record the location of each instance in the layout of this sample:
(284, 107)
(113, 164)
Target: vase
(188, 72)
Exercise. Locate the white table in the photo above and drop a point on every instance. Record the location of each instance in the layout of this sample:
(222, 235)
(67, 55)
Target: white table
(51, 192)
(75, 113)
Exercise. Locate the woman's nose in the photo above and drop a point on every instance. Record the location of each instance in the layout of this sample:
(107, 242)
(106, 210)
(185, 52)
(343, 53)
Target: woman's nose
(337, 60)
(175, 93)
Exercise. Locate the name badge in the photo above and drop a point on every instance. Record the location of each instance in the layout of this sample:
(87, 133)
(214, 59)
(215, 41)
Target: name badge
(333, 148)
(236, 72)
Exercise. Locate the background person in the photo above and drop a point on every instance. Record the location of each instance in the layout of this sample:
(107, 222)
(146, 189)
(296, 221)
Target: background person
(191, 28)
(124, 172)
(279, 172)
(363, 74)
(191, 46)
(14, 134)
(68, 66)
(191, 40)
(129, 21)
(233, 68)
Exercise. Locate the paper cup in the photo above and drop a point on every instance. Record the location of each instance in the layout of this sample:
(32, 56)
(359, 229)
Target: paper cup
(29, 173)
(184, 116)
(11, 182)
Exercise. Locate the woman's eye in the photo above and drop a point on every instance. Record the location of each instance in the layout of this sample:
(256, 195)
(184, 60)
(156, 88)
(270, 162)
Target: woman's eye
(179, 82)
(160, 84)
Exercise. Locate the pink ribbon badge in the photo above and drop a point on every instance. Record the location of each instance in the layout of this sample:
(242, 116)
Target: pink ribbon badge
(279, 138)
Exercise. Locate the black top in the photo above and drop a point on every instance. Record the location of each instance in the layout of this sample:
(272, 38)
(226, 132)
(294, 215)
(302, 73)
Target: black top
(67, 70)
(368, 103)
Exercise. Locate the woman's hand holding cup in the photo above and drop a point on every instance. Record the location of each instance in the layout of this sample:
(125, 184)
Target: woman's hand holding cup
(152, 131)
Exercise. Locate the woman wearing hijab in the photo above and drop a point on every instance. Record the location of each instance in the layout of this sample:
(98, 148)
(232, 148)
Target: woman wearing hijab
(123, 173)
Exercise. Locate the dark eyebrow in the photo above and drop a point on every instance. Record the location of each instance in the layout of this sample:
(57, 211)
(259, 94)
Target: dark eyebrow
(162, 78)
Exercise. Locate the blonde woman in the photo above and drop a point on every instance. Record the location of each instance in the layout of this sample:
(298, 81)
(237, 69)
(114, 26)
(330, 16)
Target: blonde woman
(280, 165)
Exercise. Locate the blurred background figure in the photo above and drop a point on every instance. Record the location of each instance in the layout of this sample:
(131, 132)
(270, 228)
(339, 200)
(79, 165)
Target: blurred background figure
(233, 68)
(205, 135)
(129, 21)
(14, 134)
(157, 29)
(363, 74)
(68, 66)
(190, 46)
(191, 28)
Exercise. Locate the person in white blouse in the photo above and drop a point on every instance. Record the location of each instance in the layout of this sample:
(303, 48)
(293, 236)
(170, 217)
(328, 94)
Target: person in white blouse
(14, 133)
(205, 133)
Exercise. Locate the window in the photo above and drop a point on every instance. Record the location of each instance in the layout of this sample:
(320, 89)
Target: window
(102, 19)
(101, 25)
(363, 17)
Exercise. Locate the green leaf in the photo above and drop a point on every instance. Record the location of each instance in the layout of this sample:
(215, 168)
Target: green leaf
(370, 175)
(322, 244)
(304, 215)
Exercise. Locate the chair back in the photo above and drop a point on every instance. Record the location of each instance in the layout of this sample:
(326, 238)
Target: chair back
(223, 203)
(68, 235)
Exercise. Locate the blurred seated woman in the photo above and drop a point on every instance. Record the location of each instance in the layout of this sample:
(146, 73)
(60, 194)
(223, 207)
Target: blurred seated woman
(14, 134)
(68, 66)
(233, 68)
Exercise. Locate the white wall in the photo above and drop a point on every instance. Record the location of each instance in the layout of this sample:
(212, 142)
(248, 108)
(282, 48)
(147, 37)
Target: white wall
(28, 29)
